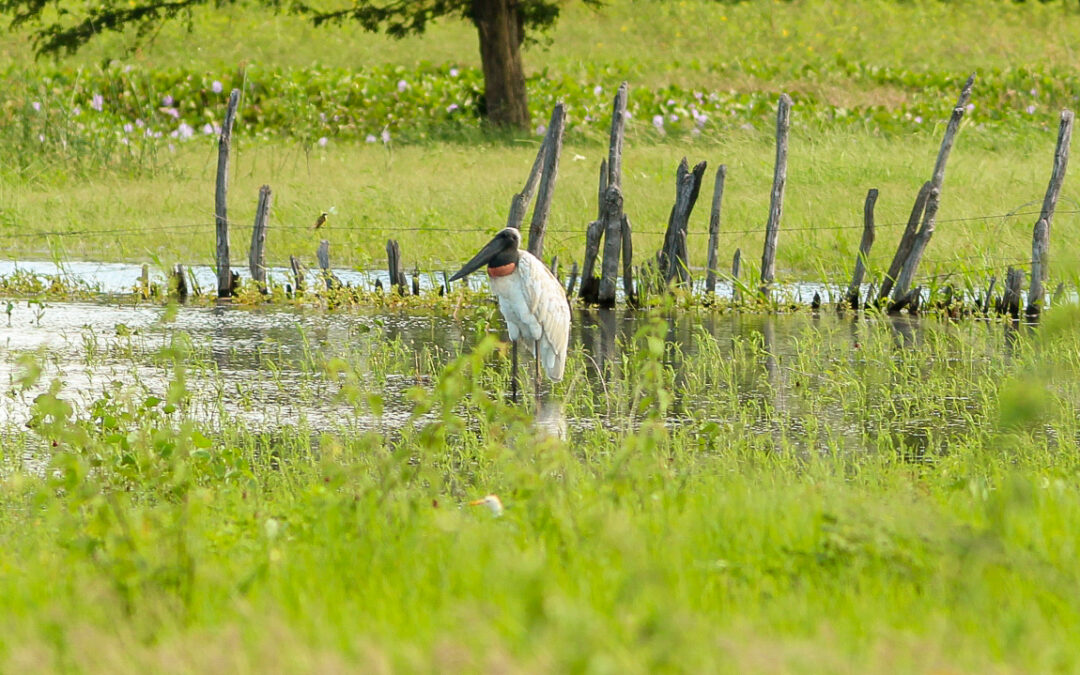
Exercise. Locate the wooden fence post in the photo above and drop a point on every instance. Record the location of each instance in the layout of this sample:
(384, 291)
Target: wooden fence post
(672, 259)
(736, 261)
(544, 195)
(1040, 246)
(918, 247)
(298, 274)
(864, 248)
(573, 279)
(257, 254)
(612, 228)
(714, 230)
(520, 201)
(323, 254)
(615, 145)
(225, 281)
(416, 280)
(628, 260)
(776, 200)
(180, 281)
(1014, 281)
(906, 241)
(395, 267)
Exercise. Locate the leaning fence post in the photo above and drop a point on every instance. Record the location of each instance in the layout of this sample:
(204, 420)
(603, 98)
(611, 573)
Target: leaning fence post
(550, 172)
(864, 248)
(918, 247)
(714, 230)
(257, 254)
(776, 200)
(573, 279)
(907, 239)
(1040, 245)
(520, 201)
(225, 283)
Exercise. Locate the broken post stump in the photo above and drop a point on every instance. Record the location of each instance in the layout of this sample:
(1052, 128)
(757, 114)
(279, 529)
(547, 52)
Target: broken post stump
(257, 253)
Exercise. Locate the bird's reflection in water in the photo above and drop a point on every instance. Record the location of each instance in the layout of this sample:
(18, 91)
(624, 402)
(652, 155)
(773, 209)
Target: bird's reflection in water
(551, 419)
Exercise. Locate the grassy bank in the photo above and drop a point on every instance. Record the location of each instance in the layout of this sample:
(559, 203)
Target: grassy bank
(443, 201)
(120, 157)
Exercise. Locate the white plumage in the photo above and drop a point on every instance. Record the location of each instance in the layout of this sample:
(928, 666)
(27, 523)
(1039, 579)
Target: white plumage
(531, 300)
(534, 305)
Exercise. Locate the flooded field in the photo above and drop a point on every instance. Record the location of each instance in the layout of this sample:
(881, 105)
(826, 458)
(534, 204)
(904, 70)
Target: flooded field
(265, 368)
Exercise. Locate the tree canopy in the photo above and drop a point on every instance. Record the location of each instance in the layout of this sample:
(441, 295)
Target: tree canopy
(502, 26)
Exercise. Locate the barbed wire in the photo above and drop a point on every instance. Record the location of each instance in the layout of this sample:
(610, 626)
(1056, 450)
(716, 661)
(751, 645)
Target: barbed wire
(560, 236)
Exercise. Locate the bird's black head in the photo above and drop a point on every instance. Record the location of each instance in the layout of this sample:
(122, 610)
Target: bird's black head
(500, 254)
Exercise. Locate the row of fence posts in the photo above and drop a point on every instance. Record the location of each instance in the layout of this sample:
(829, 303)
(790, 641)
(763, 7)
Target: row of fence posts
(670, 266)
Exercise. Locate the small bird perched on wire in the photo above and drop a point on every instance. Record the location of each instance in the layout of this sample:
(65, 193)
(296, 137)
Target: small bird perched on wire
(320, 220)
(492, 503)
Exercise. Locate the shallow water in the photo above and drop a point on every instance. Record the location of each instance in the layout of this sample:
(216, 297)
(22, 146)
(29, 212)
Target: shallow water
(266, 366)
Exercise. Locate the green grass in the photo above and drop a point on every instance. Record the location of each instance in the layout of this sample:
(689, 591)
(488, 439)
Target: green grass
(442, 202)
(777, 523)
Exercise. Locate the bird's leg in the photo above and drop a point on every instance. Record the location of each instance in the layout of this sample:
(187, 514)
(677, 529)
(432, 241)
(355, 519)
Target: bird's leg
(513, 373)
(536, 353)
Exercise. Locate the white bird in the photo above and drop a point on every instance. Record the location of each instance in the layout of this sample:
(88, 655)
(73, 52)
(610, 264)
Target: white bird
(492, 503)
(531, 300)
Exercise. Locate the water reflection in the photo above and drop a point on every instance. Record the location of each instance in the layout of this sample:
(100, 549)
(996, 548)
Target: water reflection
(267, 365)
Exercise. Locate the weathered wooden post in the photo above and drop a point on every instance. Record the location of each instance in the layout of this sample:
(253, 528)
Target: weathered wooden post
(520, 202)
(144, 282)
(257, 254)
(544, 195)
(1040, 245)
(776, 200)
(1014, 281)
(907, 239)
(714, 230)
(323, 254)
(225, 280)
(611, 206)
(416, 280)
(395, 266)
(918, 247)
(299, 273)
(672, 259)
(612, 228)
(573, 279)
(736, 261)
(628, 262)
(180, 283)
(864, 248)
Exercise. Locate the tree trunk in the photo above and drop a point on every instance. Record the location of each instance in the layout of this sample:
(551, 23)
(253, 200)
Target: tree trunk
(499, 25)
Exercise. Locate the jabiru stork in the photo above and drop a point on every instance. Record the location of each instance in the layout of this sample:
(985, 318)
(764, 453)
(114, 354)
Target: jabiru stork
(531, 300)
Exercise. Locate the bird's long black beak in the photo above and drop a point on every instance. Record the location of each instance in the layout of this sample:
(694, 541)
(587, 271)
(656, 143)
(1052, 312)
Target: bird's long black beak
(490, 250)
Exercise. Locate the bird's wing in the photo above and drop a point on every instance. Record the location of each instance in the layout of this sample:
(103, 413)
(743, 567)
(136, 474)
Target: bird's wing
(547, 303)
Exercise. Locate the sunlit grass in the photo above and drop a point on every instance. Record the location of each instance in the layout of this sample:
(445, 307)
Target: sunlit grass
(824, 496)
